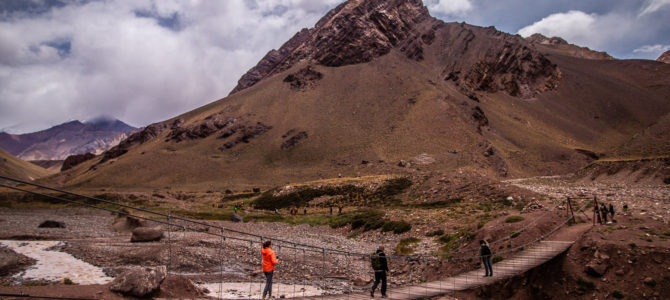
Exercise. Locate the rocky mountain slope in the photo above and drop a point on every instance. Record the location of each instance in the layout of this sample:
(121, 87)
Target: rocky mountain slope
(560, 45)
(665, 57)
(61, 141)
(380, 87)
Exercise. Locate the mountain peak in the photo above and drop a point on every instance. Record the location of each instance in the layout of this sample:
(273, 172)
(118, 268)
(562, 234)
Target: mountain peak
(665, 57)
(356, 31)
(560, 44)
(109, 123)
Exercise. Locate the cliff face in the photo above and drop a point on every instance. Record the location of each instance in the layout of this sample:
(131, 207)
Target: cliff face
(359, 31)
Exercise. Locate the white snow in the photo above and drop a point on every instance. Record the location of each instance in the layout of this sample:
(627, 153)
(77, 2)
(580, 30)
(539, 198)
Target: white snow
(55, 265)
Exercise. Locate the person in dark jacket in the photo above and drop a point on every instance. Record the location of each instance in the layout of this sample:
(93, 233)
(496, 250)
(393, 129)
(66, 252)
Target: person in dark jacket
(612, 212)
(380, 272)
(485, 254)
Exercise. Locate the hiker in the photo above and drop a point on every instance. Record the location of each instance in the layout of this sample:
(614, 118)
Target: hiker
(380, 266)
(603, 212)
(485, 254)
(235, 208)
(276, 211)
(331, 210)
(597, 211)
(612, 212)
(305, 211)
(339, 210)
(269, 262)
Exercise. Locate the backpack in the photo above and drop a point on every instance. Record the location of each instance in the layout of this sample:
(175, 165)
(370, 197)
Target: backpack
(375, 261)
(485, 250)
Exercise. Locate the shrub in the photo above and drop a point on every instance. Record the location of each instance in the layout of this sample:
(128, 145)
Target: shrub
(406, 246)
(514, 219)
(435, 233)
(585, 284)
(617, 294)
(451, 242)
(514, 234)
(397, 227)
(497, 259)
(68, 281)
(480, 224)
(650, 282)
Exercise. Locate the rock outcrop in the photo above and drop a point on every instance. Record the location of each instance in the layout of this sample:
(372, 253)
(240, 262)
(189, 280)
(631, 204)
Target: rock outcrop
(74, 160)
(359, 31)
(139, 282)
(148, 133)
(567, 48)
(665, 57)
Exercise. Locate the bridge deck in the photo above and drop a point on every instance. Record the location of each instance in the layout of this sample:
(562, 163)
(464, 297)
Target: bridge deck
(527, 259)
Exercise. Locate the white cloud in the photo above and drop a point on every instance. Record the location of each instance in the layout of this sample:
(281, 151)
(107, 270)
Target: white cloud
(652, 6)
(449, 7)
(140, 61)
(653, 50)
(591, 30)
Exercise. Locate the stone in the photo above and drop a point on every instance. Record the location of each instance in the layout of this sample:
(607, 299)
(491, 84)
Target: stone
(404, 164)
(595, 269)
(146, 234)
(619, 272)
(237, 218)
(139, 281)
(52, 224)
(361, 281)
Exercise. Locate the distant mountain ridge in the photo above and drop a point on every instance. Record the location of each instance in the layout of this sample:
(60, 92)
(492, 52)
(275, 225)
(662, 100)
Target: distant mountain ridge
(61, 141)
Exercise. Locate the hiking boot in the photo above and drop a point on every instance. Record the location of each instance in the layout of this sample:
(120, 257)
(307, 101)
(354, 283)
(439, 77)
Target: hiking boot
(372, 294)
(384, 296)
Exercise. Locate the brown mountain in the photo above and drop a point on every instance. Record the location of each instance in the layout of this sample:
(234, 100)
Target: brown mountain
(61, 141)
(665, 57)
(378, 84)
(12, 166)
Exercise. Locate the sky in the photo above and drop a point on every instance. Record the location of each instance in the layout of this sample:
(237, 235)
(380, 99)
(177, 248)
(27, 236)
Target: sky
(145, 61)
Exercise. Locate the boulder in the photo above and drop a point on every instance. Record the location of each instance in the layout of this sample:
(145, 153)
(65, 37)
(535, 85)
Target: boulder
(404, 164)
(361, 280)
(146, 234)
(139, 281)
(594, 268)
(52, 224)
(237, 218)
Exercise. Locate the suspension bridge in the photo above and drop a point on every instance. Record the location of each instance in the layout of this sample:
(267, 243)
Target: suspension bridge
(515, 261)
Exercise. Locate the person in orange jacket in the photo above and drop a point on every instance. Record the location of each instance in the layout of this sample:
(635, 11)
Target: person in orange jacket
(269, 262)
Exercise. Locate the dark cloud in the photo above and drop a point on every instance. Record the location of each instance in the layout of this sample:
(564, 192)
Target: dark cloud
(144, 61)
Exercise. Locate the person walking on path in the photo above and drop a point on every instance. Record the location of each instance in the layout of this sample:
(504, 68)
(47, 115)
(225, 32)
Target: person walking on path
(269, 262)
(603, 213)
(485, 254)
(380, 266)
(612, 212)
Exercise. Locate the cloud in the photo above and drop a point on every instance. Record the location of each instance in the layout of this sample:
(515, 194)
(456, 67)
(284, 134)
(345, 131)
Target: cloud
(653, 50)
(577, 27)
(449, 7)
(140, 61)
(652, 6)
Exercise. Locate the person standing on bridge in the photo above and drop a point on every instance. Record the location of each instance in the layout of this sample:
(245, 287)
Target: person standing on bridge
(485, 254)
(380, 266)
(269, 262)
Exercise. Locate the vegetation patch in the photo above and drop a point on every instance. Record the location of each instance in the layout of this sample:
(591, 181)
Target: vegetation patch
(514, 234)
(497, 259)
(406, 246)
(451, 242)
(514, 219)
(585, 284)
(617, 294)
(438, 232)
(397, 227)
(349, 193)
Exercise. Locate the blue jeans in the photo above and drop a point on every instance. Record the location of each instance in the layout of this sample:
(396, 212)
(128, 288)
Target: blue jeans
(268, 283)
(487, 264)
